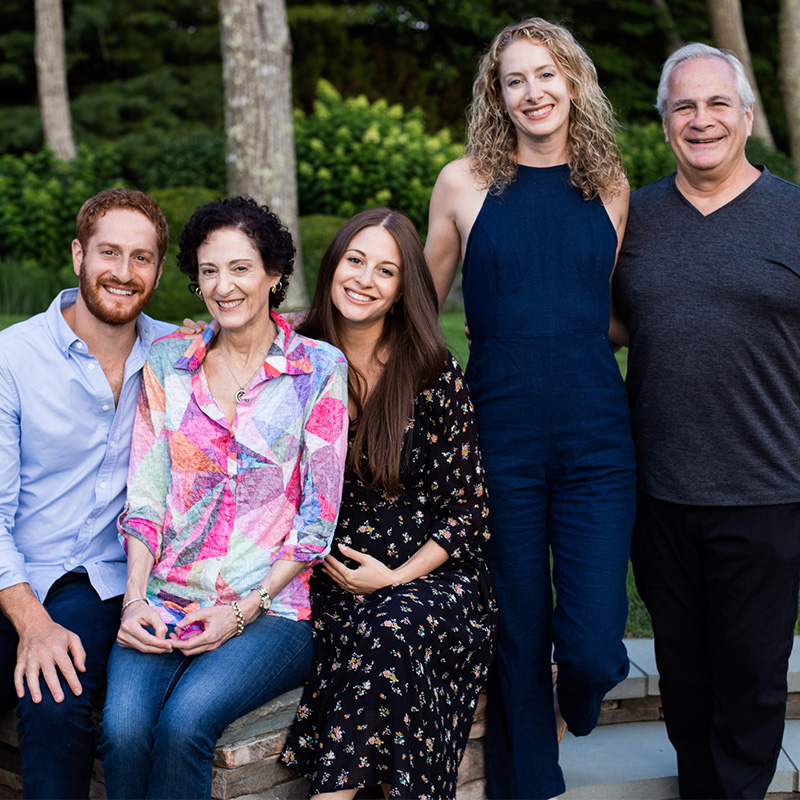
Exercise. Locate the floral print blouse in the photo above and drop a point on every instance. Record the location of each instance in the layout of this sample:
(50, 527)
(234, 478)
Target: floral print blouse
(217, 503)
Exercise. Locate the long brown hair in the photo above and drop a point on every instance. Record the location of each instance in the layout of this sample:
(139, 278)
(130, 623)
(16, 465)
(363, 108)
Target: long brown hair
(595, 163)
(411, 345)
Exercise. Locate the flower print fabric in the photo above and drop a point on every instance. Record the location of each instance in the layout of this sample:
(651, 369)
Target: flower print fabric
(397, 673)
(218, 503)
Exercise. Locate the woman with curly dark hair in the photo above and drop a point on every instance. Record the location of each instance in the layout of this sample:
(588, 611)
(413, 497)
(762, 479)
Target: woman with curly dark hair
(535, 213)
(234, 487)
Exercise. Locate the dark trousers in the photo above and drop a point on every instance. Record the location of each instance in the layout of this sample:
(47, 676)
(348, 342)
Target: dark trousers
(586, 522)
(57, 740)
(721, 585)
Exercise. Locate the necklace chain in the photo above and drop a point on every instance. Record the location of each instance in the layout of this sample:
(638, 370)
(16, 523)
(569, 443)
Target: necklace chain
(239, 394)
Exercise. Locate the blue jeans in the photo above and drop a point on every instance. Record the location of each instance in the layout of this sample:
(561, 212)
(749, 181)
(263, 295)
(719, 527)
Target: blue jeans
(57, 740)
(165, 712)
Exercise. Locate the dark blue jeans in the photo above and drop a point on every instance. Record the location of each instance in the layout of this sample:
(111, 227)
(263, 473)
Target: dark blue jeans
(57, 740)
(165, 712)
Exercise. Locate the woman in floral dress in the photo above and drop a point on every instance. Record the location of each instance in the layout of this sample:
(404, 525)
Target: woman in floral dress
(403, 608)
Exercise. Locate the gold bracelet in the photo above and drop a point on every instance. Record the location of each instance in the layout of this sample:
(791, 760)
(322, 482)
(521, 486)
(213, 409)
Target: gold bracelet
(239, 618)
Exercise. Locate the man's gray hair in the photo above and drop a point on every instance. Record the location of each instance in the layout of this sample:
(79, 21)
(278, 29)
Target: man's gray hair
(697, 50)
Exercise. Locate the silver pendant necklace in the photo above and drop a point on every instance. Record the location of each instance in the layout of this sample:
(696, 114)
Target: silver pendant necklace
(238, 395)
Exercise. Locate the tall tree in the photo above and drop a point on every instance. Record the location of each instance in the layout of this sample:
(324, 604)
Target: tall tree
(51, 75)
(672, 37)
(727, 28)
(789, 33)
(256, 65)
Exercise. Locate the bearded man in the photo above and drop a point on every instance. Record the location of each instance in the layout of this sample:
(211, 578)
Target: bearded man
(69, 381)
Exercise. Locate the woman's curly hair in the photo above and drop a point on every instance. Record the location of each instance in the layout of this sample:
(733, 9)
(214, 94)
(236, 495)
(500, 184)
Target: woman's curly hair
(594, 159)
(261, 226)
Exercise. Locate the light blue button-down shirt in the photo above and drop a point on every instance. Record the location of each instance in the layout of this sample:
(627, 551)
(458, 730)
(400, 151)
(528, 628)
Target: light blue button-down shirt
(64, 451)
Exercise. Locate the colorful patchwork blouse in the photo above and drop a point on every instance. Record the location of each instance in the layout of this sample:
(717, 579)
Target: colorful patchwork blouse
(217, 504)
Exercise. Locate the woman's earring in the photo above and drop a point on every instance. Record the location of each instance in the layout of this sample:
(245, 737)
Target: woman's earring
(277, 287)
(197, 291)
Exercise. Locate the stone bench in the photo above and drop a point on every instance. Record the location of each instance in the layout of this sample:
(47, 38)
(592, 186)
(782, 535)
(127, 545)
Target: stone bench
(246, 760)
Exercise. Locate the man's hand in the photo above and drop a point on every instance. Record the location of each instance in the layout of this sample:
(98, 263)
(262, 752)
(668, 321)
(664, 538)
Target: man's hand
(193, 327)
(43, 649)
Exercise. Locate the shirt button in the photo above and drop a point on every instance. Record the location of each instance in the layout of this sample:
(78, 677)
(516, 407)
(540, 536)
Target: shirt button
(91, 366)
(79, 345)
(102, 484)
(112, 443)
(105, 408)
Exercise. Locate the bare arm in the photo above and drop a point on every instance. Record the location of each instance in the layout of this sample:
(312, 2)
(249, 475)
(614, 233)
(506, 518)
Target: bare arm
(443, 245)
(139, 615)
(617, 208)
(44, 645)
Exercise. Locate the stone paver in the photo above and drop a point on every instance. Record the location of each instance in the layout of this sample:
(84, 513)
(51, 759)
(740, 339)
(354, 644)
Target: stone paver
(633, 761)
(642, 654)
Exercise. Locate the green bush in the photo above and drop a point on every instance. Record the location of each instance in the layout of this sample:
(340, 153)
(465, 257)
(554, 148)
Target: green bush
(776, 162)
(40, 196)
(316, 232)
(647, 156)
(353, 154)
(197, 160)
(173, 300)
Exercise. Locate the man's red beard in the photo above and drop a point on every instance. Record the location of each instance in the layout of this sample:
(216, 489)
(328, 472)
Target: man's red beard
(100, 304)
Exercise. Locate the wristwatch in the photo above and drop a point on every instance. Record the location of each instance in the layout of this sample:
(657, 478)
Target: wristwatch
(266, 600)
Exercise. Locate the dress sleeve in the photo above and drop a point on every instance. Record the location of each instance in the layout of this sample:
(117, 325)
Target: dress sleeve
(322, 459)
(149, 470)
(455, 477)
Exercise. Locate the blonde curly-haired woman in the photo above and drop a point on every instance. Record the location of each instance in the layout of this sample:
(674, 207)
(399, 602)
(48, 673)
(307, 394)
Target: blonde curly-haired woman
(536, 211)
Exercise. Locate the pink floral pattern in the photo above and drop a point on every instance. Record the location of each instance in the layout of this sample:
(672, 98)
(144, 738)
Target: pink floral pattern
(217, 503)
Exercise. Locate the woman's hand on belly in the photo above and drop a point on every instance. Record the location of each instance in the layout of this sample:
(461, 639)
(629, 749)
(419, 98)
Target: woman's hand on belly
(369, 576)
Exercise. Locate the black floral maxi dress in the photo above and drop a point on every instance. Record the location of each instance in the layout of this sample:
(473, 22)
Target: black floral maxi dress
(397, 673)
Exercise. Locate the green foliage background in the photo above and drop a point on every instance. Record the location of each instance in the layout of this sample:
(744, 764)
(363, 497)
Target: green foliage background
(380, 91)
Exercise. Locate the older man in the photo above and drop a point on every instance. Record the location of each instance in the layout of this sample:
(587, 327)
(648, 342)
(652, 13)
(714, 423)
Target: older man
(69, 379)
(709, 282)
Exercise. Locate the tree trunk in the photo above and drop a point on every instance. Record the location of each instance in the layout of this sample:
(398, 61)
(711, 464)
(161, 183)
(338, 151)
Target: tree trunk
(789, 37)
(51, 77)
(256, 64)
(727, 28)
(672, 37)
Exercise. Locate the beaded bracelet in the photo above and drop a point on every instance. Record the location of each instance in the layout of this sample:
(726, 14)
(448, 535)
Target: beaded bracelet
(239, 618)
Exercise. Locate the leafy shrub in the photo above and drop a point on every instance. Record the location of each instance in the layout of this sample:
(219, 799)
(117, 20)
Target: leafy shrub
(647, 156)
(173, 300)
(316, 233)
(40, 196)
(353, 154)
(776, 162)
(197, 160)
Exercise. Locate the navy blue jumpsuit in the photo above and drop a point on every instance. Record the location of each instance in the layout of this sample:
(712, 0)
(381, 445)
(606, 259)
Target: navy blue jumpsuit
(554, 430)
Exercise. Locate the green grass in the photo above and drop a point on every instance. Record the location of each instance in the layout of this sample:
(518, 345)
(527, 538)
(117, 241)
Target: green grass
(10, 319)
